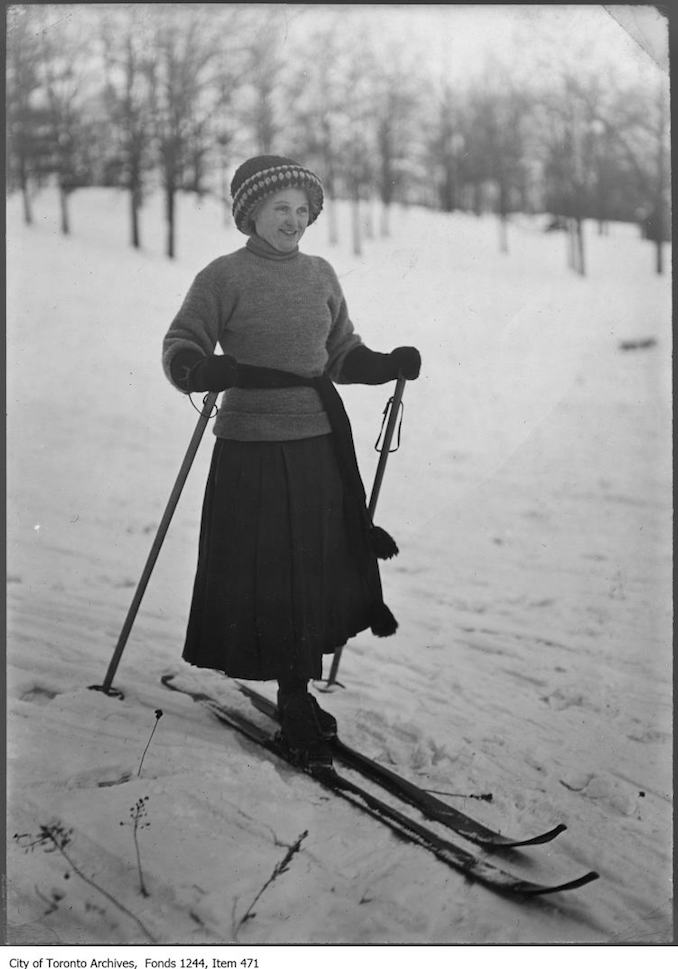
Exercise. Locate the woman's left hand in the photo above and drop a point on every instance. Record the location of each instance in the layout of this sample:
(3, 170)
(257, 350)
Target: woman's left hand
(407, 362)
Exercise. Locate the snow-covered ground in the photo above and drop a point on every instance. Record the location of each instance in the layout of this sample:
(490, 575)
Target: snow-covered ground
(531, 499)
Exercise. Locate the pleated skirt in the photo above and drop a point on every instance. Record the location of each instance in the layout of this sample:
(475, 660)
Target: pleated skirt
(276, 585)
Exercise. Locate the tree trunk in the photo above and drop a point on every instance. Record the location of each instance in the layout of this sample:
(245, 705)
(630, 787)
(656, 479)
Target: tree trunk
(449, 188)
(579, 244)
(355, 219)
(477, 199)
(503, 233)
(63, 205)
(571, 258)
(659, 255)
(170, 194)
(26, 198)
(661, 184)
(333, 231)
(368, 220)
(385, 224)
(503, 215)
(134, 216)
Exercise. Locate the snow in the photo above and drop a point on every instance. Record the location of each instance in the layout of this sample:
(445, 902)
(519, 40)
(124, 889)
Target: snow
(531, 498)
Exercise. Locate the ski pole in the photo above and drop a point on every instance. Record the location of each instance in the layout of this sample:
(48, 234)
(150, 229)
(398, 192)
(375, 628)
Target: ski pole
(205, 414)
(395, 402)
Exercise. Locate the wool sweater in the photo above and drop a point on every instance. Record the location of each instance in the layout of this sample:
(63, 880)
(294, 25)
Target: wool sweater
(268, 309)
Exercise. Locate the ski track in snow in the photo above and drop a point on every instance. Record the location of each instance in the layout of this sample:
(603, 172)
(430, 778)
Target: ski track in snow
(531, 500)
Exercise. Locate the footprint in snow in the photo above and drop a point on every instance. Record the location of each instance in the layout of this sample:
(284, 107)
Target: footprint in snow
(597, 787)
(649, 736)
(109, 776)
(38, 694)
(564, 698)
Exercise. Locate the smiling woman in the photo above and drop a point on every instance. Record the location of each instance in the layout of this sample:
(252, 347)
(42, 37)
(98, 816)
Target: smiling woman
(287, 562)
(282, 218)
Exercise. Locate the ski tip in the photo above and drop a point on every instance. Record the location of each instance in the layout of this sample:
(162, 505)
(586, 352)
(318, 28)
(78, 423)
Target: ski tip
(569, 886)
(499, 842)
(547, 836)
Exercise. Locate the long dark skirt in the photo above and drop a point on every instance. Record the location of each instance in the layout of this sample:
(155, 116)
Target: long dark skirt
(276, 585)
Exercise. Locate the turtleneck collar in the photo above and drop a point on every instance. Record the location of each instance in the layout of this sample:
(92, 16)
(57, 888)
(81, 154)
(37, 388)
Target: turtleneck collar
(260, 247)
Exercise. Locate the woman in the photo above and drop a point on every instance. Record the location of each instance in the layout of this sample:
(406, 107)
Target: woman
(287, 566)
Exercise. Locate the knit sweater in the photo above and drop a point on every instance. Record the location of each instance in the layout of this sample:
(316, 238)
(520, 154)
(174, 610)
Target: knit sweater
(269, 309)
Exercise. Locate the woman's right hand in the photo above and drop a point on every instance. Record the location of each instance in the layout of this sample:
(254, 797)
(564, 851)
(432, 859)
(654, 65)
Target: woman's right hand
(214, 373)
(193, 372)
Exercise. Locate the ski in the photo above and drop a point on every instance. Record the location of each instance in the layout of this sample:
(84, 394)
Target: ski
(429, 805)
(473, 867)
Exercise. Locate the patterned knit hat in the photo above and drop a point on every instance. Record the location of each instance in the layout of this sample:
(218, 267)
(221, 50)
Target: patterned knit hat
(265, 174)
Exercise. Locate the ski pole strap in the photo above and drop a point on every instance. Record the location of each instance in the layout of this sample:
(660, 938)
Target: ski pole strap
(401, 412)
(210, 397)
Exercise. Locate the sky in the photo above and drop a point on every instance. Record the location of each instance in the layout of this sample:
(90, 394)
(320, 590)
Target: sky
(454, 38)
(452, 41)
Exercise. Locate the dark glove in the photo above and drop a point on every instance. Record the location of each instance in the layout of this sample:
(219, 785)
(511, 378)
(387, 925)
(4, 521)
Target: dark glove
(193, 372)
(407, 361)
(365, 366)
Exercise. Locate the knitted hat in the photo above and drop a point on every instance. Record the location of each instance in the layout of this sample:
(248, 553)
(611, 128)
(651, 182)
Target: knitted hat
(261, 176)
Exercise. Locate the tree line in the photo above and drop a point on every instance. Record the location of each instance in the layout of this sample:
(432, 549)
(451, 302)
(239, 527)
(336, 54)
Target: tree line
(172, 97)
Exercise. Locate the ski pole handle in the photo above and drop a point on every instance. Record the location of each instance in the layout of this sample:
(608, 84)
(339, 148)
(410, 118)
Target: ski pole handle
(205, 414)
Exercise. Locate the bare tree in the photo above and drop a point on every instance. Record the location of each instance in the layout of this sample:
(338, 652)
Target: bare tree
(355, 125)
(63, 69)
(25, 120)
(570, 164)
(445, 144)
(496, 136)
(397, 96)
(262, 79)
(126, 53)
(313, 94)
(181, 94)
(656, 206)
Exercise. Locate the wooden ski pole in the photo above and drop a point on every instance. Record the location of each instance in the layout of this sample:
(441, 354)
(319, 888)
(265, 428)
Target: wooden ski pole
(396, 401)
(194, 443)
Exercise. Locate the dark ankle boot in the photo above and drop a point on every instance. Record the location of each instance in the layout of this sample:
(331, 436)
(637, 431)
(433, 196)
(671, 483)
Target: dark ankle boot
(301, 731)
(328, 724)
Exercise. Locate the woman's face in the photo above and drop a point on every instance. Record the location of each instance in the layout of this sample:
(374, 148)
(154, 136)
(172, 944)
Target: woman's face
(281, 218)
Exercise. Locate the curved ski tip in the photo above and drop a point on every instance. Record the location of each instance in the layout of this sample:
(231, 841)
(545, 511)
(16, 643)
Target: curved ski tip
(590, 876)
(550, 835)
(498, 842)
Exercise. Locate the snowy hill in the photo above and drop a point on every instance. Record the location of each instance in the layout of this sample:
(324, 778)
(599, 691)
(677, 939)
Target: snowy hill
(531, 499)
